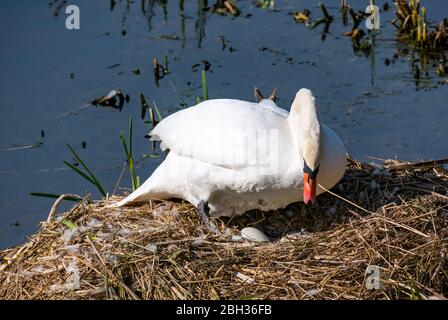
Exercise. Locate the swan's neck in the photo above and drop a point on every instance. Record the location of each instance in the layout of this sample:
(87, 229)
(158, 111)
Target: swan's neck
(305, 127)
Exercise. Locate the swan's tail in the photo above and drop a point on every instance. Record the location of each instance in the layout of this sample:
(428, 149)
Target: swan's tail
(159, 186)
(143, 193)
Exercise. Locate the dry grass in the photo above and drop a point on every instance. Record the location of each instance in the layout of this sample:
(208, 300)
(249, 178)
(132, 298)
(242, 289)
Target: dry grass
(160, 251)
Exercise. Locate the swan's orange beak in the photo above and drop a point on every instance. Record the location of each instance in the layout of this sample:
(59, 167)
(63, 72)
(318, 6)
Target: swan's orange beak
(309, 189)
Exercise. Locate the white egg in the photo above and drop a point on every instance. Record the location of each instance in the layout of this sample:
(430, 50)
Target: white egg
(253, 234)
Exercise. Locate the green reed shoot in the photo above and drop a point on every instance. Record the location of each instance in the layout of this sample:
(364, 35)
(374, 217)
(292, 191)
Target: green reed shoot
(204, 86)
(129, 158)
(88, 175)
(264, 4)
(159, 116)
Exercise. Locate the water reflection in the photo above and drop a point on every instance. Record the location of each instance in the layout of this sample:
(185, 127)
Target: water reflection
(147, 8)
(363, 43)
(182, 23)
(372, 35)
(57, 6)
(201, 21)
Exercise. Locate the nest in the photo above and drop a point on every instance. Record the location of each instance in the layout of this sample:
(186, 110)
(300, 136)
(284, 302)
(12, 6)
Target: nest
(381, 233)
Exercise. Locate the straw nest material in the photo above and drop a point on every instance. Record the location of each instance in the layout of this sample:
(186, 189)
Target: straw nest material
(392, 217)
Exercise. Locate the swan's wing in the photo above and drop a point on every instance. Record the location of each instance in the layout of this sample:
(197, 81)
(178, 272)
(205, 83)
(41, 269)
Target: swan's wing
(224, 132)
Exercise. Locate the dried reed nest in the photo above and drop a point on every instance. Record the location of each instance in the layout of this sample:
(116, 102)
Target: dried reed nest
(394, 217)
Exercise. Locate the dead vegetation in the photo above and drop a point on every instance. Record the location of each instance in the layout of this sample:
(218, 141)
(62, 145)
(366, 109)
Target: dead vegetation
(394, 217)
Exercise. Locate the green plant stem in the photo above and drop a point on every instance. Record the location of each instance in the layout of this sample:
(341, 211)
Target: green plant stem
(89, 176)
(204, 86)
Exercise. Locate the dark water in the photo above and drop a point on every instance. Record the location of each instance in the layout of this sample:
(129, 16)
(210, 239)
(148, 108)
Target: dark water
(49, 74)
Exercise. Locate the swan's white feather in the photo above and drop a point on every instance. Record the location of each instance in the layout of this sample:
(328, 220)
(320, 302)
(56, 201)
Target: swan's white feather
(222, 132)
(201, 165)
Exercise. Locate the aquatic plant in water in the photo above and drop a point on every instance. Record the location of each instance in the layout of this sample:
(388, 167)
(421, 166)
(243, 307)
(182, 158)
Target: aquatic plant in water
(127, 146)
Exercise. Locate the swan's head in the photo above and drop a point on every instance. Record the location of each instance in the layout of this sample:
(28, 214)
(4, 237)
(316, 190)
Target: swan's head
(303, 113)
(310, 173)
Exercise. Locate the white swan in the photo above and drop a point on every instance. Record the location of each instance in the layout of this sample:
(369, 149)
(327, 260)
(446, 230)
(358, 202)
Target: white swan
(236, 156)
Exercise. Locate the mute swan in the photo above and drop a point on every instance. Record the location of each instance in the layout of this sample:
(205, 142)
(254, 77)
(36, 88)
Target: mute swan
(228, 156)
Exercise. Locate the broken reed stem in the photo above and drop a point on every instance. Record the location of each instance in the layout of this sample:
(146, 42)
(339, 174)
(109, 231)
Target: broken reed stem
(155, 67)
(165, 65)
(56, 204)
(356, 19)
(128, 290)
(324, 10)
(348, 201)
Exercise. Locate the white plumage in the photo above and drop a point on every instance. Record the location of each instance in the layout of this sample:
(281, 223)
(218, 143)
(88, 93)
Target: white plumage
(237, 155)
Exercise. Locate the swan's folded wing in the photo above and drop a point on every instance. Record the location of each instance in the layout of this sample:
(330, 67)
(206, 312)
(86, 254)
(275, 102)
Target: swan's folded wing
(224, 132)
